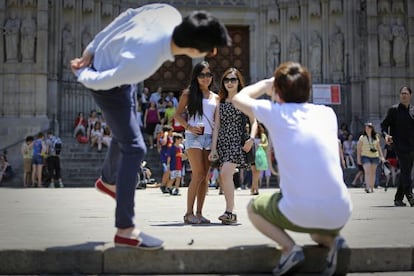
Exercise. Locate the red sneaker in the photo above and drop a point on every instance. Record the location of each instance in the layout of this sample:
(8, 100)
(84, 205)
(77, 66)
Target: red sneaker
(100, 186)
(143, 241)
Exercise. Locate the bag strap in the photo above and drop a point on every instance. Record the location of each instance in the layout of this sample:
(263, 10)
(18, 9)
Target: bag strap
(211, 125)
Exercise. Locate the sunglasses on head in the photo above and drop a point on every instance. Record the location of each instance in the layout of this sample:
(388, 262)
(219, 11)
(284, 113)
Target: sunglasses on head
(232, 80)
(205, 75)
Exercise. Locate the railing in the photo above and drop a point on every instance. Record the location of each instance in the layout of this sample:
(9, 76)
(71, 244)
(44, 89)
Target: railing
(74, 98)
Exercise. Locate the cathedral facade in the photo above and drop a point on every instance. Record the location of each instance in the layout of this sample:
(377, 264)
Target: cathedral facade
(364, 47)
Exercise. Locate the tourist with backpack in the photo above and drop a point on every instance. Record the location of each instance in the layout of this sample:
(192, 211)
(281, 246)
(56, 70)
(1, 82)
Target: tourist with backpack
(54, 147)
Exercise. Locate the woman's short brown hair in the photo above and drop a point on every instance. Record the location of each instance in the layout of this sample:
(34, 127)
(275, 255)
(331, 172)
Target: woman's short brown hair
(292, 82)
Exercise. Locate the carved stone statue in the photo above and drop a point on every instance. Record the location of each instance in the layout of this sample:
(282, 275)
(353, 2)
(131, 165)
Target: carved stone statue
(400, 43)
(336, 52)
(273, 55)
(385, 40)
(11, 36)
(86, 37)
(67, 45)
(315, 54)
(28, 38)
(294, 48)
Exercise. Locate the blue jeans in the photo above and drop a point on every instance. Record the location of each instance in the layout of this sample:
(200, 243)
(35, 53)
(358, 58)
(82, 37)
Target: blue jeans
(126, 151)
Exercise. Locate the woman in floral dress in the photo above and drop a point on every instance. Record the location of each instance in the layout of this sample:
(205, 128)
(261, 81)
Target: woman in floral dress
(229, 138)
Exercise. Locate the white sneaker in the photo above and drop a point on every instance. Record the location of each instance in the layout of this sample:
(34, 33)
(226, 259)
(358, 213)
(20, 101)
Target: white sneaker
(289, 261)
(51, 185)
(61, 185)
(331, 260)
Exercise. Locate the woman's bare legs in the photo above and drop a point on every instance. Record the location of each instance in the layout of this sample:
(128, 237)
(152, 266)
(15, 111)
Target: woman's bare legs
(198, 185)
(255, 181)
(227, 171)
(370, 170)
(202, 189)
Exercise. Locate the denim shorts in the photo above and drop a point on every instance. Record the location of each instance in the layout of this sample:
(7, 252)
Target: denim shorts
(371, 160)
(37, 160)
(194, 141)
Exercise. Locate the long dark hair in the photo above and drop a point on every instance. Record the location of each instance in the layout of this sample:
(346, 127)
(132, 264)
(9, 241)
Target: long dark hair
(374, 135)
(195, 99)
(223, 93)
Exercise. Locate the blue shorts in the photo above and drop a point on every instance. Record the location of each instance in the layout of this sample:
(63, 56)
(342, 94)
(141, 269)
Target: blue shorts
(194, 141)
(370, 160)
(37, 160)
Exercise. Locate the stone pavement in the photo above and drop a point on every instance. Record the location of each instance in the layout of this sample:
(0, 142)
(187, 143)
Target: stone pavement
(70, 231)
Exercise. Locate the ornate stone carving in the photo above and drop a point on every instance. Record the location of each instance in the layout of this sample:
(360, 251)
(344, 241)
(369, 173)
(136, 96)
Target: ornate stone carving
(87, 6)
(398, 6)
(28, 37)
(384, 42)
(294, 48)
(314, 8)
(315, 54)
(384, 7)
(29, 3)
(273, 16)
(273, 55)
(336, 6)
(293, 12)
(12, 3)
(400, 43)
(68, 4)
(107, 9)
(11, 36)
(336, 50)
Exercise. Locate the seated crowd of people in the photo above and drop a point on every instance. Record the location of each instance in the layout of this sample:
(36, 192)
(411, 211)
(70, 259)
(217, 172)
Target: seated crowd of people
(92, 130)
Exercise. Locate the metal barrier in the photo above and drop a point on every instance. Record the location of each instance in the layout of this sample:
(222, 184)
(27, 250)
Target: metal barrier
(74, 98)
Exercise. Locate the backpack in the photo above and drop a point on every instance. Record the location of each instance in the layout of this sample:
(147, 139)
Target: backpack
(56, 145)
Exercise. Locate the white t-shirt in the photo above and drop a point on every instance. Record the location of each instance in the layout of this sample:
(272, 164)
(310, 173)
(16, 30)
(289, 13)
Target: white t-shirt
(304, 138)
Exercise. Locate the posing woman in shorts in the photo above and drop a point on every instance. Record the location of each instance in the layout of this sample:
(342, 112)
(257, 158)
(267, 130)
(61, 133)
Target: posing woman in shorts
(200, 103)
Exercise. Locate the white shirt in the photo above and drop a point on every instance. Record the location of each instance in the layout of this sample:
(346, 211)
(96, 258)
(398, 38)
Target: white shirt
(304, 138)
(131, 48)
(209, 106)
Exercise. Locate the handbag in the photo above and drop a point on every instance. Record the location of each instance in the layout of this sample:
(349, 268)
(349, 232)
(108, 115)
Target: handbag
(251, 154)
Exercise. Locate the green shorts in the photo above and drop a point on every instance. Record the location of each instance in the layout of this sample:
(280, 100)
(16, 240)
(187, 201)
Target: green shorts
(267, 206)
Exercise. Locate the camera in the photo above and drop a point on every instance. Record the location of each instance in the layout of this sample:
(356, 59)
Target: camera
(373, 150)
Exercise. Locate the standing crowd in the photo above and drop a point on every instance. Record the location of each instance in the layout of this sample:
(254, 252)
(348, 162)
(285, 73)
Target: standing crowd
(41, 161)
